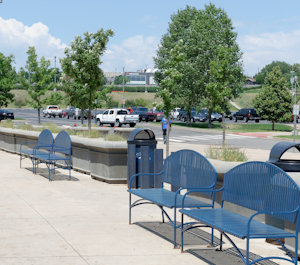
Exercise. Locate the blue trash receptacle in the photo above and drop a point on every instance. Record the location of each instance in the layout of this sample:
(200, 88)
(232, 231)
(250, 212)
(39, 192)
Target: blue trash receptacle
(143, 157)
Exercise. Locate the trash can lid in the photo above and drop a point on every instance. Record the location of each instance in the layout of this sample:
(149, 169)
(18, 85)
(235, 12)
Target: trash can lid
(280, 148)
(141, 134)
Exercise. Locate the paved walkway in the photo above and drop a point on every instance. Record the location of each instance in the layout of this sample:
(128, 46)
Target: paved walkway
(85, 221)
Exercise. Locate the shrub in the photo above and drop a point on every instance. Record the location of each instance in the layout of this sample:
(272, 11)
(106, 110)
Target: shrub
(226, 153)
(7, 123)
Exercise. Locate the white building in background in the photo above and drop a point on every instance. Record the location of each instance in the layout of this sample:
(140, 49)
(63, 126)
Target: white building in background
(139, 78)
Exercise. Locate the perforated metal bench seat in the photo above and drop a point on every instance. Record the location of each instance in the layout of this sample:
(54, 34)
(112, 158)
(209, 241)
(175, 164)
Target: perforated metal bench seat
(234, 224)
(166, 198)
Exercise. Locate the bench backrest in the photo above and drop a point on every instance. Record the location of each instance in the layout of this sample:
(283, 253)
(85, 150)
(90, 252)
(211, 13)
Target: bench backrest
(63, 143)
(189, 169)
(262, 186)
(45, 138)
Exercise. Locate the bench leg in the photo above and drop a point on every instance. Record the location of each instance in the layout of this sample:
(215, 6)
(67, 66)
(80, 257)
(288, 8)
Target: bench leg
(175, 228)
(221, 242)
(130, 208)
(162, 215)
(182, 250)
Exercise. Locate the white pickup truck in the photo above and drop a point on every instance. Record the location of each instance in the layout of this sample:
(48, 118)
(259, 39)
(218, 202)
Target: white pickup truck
(117, 117)
(52, 111)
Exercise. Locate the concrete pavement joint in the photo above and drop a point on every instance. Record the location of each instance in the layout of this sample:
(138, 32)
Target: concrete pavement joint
(54, 229)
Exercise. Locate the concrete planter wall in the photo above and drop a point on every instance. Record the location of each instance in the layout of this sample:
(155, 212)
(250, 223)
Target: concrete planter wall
(103, 160)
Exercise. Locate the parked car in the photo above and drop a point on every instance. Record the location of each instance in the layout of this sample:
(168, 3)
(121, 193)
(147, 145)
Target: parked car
(155, 115)
(229, 115)
(142, 112)
(117, 117)
(246, 114)
(6, 114)
(75, 113)
(175, 113)
(70, 112)
(52, 111)
(201, 117)
(184, 116)
(215, 116)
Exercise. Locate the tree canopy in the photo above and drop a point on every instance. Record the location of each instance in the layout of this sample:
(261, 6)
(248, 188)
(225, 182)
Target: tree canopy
(285, 69)
(209, 63)
(39, 79)
(274, 102)
(82, 74)
(7, 79)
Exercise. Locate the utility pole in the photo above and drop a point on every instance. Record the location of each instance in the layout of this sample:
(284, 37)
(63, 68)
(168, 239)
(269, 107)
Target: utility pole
(123, 97)
(295, 107)
(54, 74)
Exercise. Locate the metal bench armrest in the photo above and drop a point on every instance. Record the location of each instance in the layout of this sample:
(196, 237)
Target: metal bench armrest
(251, 218)
(141, 174)
(190, 190)
(29, 142)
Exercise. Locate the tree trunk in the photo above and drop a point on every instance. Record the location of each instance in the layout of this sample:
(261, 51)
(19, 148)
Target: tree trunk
(82, 116)
(89, 114)
(89, 119)
(209, 119)
(39, 116)
(273, 125)
(223, 125)
(168, 134)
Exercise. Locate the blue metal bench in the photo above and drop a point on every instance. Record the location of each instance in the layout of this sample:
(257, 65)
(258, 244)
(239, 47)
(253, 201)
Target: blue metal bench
(186, 170)
(262, 187)
(61, 151)
(42, 146)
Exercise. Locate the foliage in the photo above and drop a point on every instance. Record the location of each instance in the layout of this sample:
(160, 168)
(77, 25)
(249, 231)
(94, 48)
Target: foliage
(103, 97)
(284, 67)
(38, 81)
(226, 153)
(54, 98)
(119, 80)
(83, 76)
(150, 89)
(7, 79)
(199, 60)
(7, 123)
(273, 103)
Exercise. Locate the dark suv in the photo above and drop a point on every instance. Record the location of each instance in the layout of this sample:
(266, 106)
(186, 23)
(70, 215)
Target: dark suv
(246, 114)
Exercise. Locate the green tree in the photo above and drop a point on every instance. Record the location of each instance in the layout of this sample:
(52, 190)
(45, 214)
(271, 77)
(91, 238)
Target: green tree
(225, 81)
(185, 92)
(284, 67)
(7, 79)
(119, 80)
(274, 102)
(202, 37)
(55, 98)
(168, 85)
(83, 75)
(39, 79)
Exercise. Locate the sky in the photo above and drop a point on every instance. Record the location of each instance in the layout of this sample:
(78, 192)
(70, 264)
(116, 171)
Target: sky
(267, 30)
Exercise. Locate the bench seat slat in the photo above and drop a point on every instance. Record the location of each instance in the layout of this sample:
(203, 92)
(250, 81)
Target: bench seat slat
(234, 224)
(166, 198)
(51, 156)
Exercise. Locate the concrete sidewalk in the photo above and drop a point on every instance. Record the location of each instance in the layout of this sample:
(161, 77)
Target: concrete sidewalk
(84, 221)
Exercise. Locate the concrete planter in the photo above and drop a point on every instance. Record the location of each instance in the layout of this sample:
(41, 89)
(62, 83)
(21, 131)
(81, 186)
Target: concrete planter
(103, 160)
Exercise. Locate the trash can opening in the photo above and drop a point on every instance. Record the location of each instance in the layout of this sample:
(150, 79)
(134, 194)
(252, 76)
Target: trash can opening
(277, 151)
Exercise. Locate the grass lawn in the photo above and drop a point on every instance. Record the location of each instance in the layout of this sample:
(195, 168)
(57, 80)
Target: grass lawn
(22, 98)
(258, 127)
(240, 127)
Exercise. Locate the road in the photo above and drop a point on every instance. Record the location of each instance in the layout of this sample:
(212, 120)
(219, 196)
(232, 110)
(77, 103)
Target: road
(178, 134)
